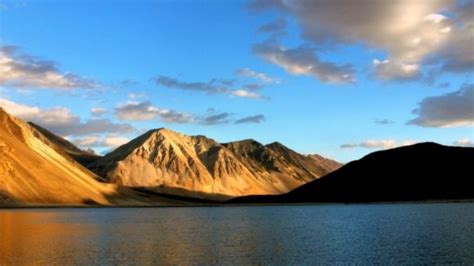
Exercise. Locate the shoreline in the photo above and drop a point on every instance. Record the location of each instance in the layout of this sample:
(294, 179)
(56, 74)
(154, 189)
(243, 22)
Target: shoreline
(217, 205)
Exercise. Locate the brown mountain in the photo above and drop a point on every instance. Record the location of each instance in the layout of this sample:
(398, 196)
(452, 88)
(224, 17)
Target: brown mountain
(36, 171)
(83, 157)
(425, 171)
(177, 163)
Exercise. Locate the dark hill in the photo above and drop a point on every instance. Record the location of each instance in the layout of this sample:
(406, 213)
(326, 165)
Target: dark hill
(425, 171)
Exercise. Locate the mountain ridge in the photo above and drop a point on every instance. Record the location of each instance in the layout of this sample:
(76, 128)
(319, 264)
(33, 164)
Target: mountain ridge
(163, 158)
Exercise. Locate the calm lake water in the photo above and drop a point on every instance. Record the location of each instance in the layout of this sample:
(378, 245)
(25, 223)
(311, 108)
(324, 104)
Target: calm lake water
(365, 234)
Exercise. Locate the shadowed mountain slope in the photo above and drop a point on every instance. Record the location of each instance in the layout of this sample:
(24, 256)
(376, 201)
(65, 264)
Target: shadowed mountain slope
(83, 157)
(425, 171)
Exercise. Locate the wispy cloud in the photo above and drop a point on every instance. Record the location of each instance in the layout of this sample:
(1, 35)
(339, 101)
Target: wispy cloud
(210, 87)
(303, 61)
(255, 119)
(383, 121)
(145, 111)
(266, 79)
(215, 119)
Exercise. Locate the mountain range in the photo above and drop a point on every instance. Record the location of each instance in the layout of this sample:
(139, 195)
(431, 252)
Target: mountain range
(163, 167)
(40, 167)
(175, 163)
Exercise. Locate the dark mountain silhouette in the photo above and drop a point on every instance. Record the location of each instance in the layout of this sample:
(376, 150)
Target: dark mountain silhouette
(425, 171)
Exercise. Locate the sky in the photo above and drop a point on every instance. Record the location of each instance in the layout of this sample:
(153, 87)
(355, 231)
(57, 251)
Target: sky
(338, 78)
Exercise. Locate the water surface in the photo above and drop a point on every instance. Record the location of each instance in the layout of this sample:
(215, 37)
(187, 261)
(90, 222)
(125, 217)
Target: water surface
(379, 233)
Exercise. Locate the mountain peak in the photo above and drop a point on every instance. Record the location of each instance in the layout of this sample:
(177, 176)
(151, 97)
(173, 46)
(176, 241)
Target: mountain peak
(162, 130)
(244, 143)
(276, 144)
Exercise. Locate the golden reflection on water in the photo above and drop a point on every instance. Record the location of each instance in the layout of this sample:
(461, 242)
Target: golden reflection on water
(65, 237)
(28, 238)
(325, 234)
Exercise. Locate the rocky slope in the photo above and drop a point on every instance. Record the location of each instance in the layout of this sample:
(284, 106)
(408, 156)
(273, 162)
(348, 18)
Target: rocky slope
(34, 170)
(83, 157)
(425, 171)
(195, 164)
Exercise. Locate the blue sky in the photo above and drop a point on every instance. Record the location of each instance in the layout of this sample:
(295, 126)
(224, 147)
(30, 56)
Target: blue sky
(308, 79)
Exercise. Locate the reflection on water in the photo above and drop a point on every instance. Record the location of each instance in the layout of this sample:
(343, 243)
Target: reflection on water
(406, 233)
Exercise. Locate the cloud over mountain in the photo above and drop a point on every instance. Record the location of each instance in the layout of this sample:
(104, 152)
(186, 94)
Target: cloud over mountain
(141, 111)
(94, 141)
(378, 144)
(62, 121)
(464, 142)
(145, 111)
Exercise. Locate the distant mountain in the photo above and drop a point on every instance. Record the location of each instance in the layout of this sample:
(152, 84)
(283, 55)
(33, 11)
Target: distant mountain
(83, 157)
(195, 165)
(425, 171)
(34, 170)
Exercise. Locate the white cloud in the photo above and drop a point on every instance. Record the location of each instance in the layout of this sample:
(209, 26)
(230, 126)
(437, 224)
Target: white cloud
(410, 32)
(454, 109)
(62, 121)
(26, 71)
(246, 94)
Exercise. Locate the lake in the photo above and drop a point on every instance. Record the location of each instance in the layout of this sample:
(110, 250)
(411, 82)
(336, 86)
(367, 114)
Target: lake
(301, 234)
